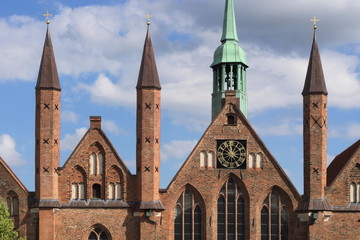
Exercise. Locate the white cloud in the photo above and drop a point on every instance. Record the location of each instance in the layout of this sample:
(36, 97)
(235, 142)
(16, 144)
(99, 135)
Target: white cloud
(8, 151)
(286, 127)
(177, 149)
(104, 91)
(69, 116)
(112, 127)
(346, 131)
(70, 141)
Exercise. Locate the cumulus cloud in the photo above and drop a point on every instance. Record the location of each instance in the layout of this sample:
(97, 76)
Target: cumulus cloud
(69, 116)
(286, 127)
(70, 141)
(111, 126)
(95, 39)
(8, 151)
(177, 149)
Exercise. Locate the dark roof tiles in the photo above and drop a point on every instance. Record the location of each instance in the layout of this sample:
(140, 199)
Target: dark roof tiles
(148, 75)
(48, 76)
(340, 161)
(314, 81)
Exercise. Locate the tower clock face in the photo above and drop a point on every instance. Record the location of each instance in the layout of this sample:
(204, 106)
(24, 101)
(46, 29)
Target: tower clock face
(231, 154)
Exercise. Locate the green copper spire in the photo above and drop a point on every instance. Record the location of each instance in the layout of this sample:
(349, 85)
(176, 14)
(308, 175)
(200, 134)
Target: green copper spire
(229, 28)
(229, 65)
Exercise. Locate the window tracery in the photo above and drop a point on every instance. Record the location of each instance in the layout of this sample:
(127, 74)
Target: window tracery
(274, 217)
(187, 217)
(231, 212)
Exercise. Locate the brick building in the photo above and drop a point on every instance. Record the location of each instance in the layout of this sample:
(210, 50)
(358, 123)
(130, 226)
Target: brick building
(230, 186)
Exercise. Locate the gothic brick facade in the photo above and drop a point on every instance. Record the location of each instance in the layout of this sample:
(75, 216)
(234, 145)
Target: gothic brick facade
(230, 186)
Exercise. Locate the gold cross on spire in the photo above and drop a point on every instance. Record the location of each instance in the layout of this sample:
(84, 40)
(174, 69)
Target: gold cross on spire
(47, 15)
(314, 20)
(148, 16)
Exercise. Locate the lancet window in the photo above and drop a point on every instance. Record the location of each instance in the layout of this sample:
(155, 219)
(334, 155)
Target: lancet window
(231, 212)
(96, 162)
(274, 218)
(187, 217)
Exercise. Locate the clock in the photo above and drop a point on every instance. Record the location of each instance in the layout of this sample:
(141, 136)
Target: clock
(231, 154)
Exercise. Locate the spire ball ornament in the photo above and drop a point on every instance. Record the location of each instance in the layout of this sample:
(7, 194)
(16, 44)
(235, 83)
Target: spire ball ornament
(314, 20)
(47, 15)
(148, 16)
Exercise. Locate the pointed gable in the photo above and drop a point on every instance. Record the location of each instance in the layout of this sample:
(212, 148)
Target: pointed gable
(48, 75)
(340, 161)
(13, 177)
(270, 173)
(148, 75)
(314, 81)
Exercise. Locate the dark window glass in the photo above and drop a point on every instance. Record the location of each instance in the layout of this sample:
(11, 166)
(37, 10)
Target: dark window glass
(274, 218)
(187, 217)
(96, 191)
(197, 223)
(178, 223)
(221, 218)
(241, 218)
(264, 223)
(231, 212)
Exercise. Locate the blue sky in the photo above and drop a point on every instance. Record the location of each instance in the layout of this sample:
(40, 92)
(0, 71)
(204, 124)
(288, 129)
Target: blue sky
(98, 46)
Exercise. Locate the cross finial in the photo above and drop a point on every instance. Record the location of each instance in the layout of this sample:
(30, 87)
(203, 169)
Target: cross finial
(314, 20)
(47, 15)
(148, 16)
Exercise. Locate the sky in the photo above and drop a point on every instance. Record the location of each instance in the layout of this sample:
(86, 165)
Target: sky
(98, 46)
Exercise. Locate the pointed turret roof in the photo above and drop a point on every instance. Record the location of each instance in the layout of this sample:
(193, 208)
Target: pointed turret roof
(229, 27)
(229, 50)
(314, 81)
(48, 77)
(148, 75)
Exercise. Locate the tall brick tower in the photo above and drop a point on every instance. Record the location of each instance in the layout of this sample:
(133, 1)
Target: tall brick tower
(47, 134)
(229, 65)
(315, 127)
(148, 140)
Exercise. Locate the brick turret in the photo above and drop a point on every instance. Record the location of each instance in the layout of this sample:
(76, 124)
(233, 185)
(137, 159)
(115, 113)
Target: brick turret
(47, 136)
(315, 127)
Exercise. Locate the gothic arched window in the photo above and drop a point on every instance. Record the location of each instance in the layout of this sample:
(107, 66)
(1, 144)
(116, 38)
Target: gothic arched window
(274, 218)
(96, 162)
(231, 212)
(98, 234)
(187, 217)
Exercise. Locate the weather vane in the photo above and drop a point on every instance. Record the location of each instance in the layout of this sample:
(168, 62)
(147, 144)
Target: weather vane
(47, 15)
(148, 16)
(314, 20)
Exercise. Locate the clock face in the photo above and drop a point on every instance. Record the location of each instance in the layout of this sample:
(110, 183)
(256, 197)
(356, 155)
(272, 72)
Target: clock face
(231, 154)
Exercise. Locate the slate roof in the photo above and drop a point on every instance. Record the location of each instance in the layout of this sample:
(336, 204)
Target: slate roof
(48, 76)
(340, 161)
(148, 75)
(314, 81)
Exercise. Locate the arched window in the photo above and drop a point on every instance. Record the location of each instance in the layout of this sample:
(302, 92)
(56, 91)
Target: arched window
(259, 160)
(96, 190)
(353, 192)
(15, 205)
(74, 191)
(117, 191)
(210, 158)
(251, 160)
(92, 163)
(274, 218)
(111, 191)
(202, 158)
(187, 217)
(98, 234)
(100, 161)
(231, 212)
(96, 162)
(9, 205)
